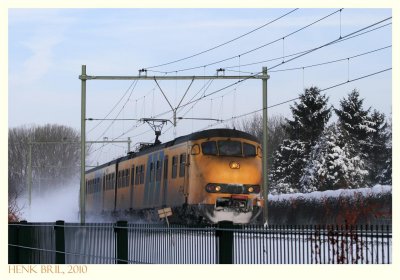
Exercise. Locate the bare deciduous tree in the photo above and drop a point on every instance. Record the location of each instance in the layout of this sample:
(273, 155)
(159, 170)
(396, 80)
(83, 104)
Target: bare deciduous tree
(276, 131)
(52, 163)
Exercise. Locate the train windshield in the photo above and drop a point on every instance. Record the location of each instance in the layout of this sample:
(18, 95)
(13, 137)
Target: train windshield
(209, 148)
(249, 150)
(230, 148)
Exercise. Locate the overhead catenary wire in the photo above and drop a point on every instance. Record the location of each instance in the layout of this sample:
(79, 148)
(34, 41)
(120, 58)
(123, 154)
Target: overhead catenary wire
(346, 37)
(330, 43)
(305, 51)
(223, 44)
(296, 98)
(287, 101)
(116, 104)
(343, 38)
(135, 84)
(253, 49)
(277, 65)
(321, 63)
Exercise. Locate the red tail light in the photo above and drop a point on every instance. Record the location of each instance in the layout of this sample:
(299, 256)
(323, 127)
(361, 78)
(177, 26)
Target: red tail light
(212, 188)
(256, 189)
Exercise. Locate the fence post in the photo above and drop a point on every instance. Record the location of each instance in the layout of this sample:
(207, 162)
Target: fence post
(225, 242)
(13, 240)
(24, 239)
(60, 242)
(121, 231)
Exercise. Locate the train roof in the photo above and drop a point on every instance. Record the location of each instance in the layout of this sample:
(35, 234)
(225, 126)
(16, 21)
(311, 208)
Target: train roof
(219, 132)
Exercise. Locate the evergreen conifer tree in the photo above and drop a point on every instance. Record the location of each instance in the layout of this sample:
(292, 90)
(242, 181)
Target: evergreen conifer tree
(331, 165)
(287, 167)
(354, 122)
(310, 116)
(376, 147)
(385, 174)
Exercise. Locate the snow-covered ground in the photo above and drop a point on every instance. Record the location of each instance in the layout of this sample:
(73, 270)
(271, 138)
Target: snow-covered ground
(61, 203)
(366, 192)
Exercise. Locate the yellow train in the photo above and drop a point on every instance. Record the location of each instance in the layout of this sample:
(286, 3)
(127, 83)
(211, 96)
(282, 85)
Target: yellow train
(212, 175)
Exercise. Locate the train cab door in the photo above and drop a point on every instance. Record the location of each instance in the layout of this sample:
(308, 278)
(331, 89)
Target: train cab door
(103, 191)
(131, 186)
(186, 176)
(116, 185)
(164, 190)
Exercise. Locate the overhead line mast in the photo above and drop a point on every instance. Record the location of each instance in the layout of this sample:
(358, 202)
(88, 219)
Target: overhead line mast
(84, 77)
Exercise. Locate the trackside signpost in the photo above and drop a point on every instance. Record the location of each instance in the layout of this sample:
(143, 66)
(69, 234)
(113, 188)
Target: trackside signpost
(165, 213)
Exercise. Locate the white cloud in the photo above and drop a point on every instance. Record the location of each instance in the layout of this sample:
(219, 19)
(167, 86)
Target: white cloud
(38, 64)
(47, 28)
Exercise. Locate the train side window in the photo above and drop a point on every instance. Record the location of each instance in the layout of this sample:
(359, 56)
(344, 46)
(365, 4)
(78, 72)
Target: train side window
(182, 163)
(137, 176)
(195, 149)
(113, 179)
(132, 175)
(142, 170)
(249, 150)
(209, 148)
(118, 179)
(158, 171)
(166, 167)
(151, 177)
(174, 166)
(126, 177)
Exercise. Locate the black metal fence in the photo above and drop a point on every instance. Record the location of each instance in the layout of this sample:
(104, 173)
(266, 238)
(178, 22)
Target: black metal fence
(224, 243)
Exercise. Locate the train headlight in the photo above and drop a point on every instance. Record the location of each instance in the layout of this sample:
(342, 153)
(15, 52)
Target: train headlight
(213, 188)
(234, 165)
(253, 189)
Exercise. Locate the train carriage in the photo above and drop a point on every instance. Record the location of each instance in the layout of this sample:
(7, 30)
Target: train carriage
(212, 175)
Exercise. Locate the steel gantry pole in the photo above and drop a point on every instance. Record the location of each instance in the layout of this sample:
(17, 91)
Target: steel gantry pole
(85, 77)
(83, 144)
(264, 142)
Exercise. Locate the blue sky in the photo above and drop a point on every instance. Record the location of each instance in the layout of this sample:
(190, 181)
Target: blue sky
(48, 46)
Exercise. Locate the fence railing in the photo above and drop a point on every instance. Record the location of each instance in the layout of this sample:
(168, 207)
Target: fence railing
(105, 243)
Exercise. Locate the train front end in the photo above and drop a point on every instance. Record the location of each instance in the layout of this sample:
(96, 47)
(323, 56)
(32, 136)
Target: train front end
(226, 179)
